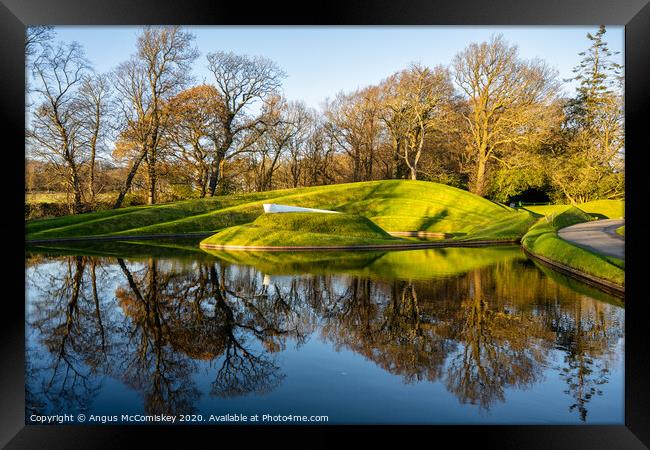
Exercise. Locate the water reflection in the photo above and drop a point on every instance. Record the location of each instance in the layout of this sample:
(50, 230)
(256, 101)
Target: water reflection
(480, 322)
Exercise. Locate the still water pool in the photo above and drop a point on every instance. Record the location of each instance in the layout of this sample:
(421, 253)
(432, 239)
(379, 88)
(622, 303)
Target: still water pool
(441, 336)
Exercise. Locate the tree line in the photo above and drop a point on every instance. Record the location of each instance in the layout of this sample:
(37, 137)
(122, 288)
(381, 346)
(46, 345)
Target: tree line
(491, 122)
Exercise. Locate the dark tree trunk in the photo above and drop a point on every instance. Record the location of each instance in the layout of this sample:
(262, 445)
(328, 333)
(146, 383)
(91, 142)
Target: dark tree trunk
(76, 188)
(479, 181)
(368, 167)
(91, 181)
(356, 165)
(152, 175)
(215, 173)
(221, 188)
(129, 180)
(399, 169)
(203, 179)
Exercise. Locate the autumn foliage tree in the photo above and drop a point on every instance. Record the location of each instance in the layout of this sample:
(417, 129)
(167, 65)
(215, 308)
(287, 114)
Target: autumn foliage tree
(508, 100)
(193, 116)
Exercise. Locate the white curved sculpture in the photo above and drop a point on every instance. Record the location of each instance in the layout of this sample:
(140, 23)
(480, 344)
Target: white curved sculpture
(272, 208)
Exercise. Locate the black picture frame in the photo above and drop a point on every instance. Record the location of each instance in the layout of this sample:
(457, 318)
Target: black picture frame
(16, 14)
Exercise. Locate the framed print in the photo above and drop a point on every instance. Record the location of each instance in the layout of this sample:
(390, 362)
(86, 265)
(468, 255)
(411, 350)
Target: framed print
(373, 219)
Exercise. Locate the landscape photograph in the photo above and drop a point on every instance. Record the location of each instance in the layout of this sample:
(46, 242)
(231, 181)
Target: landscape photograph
(324, 225)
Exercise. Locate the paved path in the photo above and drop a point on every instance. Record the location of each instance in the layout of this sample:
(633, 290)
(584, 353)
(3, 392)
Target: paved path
(599, 236)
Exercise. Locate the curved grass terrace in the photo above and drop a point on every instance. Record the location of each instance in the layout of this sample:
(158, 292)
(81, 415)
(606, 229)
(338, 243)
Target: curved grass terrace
(393, 205)
(543, 242)
(314, 231)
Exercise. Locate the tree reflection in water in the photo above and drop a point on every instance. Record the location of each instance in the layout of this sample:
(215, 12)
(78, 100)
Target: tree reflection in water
(151, 323)
(587, 334)
(500, 347)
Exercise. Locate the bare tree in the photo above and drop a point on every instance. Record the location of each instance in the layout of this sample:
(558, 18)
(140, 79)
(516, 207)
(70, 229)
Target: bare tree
(508, 98)
(242, 82)
(94, 109)
(286, 135)
(56, 130)
(319, 157)
(37, 35)
(355, 123)
(416, 102)
(159, 69)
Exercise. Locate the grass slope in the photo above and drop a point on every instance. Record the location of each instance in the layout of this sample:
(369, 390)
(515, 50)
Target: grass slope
(304, 229)
(394, 205)
(601, 209)
(542, 240)
(621, 230)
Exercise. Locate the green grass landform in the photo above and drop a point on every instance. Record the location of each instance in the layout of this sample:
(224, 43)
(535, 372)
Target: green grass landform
(542, 240)
(392, 205)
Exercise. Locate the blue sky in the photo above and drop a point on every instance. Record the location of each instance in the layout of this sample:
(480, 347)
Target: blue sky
(321, 61)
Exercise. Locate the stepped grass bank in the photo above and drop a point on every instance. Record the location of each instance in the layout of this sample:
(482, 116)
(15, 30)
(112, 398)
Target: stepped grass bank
(393, 205)
(303, 229)
(542, 240)
(600, 209)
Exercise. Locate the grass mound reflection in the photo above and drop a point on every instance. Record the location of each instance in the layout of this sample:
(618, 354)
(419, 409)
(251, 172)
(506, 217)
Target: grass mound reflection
(409, 264)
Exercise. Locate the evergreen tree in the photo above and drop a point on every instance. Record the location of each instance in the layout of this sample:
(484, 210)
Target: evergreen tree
(591, 165)
(600, 79)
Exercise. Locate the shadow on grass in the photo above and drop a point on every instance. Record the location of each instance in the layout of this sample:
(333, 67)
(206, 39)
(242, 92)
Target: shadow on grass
(535, 214)
(500, 205)
(429, 221)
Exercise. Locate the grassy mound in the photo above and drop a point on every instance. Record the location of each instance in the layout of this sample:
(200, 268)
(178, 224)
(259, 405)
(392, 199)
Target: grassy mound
(508, 228)
(341, 224)
(304, 229)
(542, 240)
(394, 205)
(601, 209)
(621, 230)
